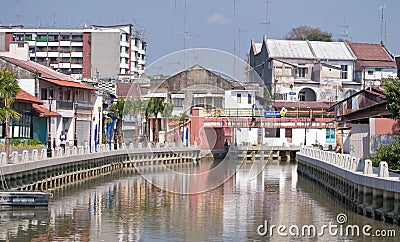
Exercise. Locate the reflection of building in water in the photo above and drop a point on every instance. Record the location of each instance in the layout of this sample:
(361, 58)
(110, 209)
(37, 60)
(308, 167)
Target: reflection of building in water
(33, 221)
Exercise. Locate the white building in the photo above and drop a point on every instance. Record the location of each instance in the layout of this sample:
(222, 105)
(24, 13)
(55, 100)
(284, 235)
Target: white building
(304, 70)
(374, 63)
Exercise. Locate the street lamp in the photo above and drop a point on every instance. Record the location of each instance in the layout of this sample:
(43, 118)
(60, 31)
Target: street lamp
(50, 101)
(99, 129)
(75, 120)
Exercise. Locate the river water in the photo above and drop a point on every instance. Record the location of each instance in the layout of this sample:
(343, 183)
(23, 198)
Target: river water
(123, 206)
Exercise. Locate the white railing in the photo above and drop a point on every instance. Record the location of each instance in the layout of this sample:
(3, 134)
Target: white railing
(36, 155)
(347, 163)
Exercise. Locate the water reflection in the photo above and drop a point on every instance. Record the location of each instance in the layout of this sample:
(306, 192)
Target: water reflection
(123, 206)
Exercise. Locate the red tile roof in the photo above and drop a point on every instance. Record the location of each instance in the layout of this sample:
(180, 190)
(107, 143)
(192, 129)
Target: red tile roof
(33, 66)
(132, 90)
(372, 55)
(68, 83)
(42, 112)
(23, 96)
(47, 74)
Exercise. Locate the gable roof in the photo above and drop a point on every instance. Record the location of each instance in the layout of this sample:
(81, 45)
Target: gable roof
(304, 49)
(128, 89)
(372, 55)
(289, 49)
(23, 96)
(331, 50)
(68, 83)
(47, 74)
(42, 112)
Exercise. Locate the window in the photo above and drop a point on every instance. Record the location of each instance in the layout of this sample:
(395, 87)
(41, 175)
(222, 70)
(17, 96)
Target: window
(288, 133)
(272, 133)
(239, 98)
(330, 136)
(302, 71)
(378, 69)
(302, 96)
(178, 102)
(249, 98)
(344, 71)
(370, 72)
(43, 94)
(218, 102)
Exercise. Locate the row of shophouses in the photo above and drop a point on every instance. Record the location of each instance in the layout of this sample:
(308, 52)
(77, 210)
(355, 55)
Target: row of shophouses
(51, 103)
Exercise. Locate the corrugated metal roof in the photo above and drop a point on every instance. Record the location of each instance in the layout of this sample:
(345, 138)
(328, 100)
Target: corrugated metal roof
(331, 50)
(289, 49)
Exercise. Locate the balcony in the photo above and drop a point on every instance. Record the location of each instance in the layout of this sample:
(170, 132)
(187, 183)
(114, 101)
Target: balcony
(67, 105)
(85, 106)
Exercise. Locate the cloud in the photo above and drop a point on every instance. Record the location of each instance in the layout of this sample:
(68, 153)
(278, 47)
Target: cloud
(218, 19)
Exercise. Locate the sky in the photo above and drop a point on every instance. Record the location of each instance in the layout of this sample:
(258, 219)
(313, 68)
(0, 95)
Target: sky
(227, 25)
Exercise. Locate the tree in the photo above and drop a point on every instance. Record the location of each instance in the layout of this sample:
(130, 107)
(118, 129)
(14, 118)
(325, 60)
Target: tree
(392, 93)
(154, 106)
(302, 32)
(117, 111)
(326, 37)
(390, 152)
(9, 89)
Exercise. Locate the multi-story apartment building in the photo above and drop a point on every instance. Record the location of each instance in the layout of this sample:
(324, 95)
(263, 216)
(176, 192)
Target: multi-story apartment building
(88, 53)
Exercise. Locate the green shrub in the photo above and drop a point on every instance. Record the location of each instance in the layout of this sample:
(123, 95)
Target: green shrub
(389, 153)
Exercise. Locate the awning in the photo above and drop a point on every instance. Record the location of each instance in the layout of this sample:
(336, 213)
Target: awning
(68, 84)
(42, 112)
(178, 95)
(156, 94)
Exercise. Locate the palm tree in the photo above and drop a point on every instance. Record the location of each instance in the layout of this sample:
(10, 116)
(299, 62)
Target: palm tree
(9, 89)
(154, 106)
(168, 108)
(117, 111)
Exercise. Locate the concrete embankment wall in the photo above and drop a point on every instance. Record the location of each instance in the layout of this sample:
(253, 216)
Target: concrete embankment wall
(371, 191)
(42, 173)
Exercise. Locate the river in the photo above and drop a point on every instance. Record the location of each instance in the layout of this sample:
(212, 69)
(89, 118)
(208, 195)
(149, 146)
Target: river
(123, 206)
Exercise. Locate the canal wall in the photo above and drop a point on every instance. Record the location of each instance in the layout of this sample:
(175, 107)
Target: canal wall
(371, 191)
(35, 171)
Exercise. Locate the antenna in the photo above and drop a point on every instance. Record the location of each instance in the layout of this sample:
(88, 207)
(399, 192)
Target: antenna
(240, 31)
(175, 23)
(385, 35)
(234, 39)
(382, 8)
(266, 23)
(345, 33)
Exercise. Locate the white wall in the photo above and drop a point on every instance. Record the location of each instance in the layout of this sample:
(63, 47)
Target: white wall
(244, 135)
(28, 85)
(231, 100)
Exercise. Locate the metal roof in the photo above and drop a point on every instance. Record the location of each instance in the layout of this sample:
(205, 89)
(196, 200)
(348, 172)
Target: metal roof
(289, 49)
(331, 50)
